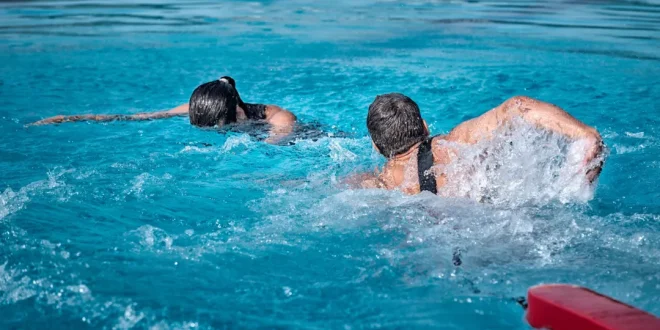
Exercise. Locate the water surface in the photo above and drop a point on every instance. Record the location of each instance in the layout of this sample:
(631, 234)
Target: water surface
(165, 226)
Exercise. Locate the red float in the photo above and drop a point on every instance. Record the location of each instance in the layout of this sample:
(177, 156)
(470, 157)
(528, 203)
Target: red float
(568, 307)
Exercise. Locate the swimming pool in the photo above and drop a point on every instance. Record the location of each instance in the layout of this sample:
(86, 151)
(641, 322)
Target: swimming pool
(162, 225)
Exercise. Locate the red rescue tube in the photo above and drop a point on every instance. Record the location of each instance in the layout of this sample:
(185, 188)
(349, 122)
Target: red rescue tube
(568, 307)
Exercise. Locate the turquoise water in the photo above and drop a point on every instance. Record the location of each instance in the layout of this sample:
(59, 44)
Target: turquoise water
(165, 226)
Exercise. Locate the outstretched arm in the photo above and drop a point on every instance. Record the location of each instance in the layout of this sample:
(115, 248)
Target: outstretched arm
(181, 110)
(281, 121)
(537, 113)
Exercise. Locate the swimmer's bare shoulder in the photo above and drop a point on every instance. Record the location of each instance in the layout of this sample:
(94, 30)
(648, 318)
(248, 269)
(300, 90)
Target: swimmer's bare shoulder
(277, 116)
(281, 121)
(442, 155)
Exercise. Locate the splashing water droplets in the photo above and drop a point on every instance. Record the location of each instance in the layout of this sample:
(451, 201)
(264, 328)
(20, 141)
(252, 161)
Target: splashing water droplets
(520, 165)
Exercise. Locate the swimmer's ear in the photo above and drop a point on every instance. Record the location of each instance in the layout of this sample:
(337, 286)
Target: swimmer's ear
(374, 145)
(426, 127)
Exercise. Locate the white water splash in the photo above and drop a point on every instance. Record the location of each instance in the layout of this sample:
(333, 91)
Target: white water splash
(235, 141)
(637, 135)
(621, 149)
(12, 201)
(153, 238)
(130, 319)
(196, 149)
(14, 286)
(518, 166)
(340, 154)
(143, 180)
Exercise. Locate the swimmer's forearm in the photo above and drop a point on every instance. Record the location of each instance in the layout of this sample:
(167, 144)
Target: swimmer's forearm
(101, 118)
(535, 112)
(75, 118)
(548, 116)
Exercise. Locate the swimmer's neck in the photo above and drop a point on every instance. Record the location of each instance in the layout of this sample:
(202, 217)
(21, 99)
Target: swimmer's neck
(404, 157)
(393, 171)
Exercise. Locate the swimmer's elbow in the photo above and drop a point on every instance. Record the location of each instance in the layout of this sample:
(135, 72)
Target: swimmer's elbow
(518, 106)
(521, 99)
(518, 101)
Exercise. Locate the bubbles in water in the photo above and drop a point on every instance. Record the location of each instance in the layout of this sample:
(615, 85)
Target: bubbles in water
(129, 319)
(81, 288)
(153, 237)
(14, 286)
(287, 291)
(163, 325)
(11, 202)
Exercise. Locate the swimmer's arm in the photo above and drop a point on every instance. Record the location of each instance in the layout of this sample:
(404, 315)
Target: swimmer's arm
(65, 119)
(535, 112)
(181, 110)
(281, 121)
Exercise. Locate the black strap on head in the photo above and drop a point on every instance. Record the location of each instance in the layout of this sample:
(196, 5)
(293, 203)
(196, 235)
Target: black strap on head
(424, 164)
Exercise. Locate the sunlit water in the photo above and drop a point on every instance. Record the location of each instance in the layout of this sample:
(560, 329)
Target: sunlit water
(162, 225)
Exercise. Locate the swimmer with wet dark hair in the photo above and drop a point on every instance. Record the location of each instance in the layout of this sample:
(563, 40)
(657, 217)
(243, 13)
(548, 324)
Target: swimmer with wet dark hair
(400, 134)
(212, 104)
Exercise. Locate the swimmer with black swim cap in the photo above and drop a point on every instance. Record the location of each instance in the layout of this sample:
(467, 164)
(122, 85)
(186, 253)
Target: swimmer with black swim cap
(400, 134)
(215, 103)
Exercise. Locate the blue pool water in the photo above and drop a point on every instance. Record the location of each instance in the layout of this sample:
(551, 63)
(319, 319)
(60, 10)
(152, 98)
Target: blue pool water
(165, 226)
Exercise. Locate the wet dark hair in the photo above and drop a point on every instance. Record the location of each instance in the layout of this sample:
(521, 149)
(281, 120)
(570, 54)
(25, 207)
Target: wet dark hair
(214, 103)
(253, 111)
(232, 82)
(395, 124)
